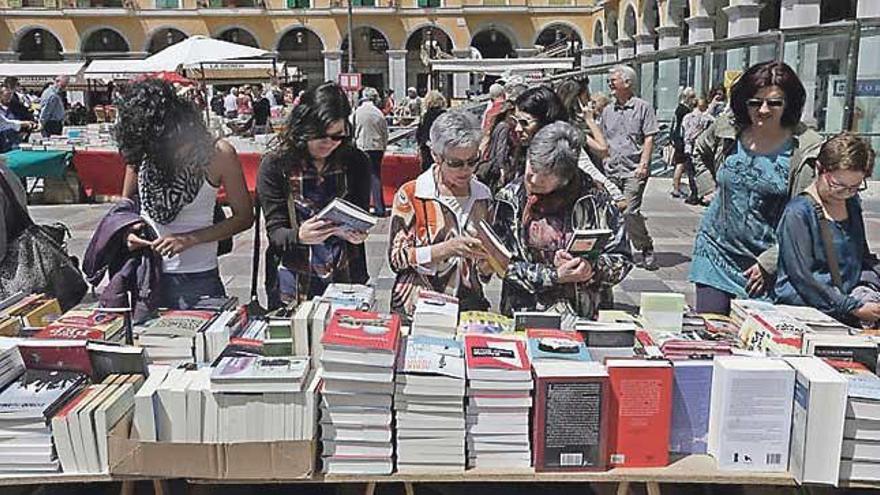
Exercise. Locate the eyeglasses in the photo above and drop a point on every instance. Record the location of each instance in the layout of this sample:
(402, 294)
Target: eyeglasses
(524, 122)
(837, 186)
(472, 163)
(334, 137)
(759, 102)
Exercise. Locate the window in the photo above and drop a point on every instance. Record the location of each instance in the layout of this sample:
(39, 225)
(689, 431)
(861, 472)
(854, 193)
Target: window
(298, 4)
(429, 4)
(167, 4)
(363, 3)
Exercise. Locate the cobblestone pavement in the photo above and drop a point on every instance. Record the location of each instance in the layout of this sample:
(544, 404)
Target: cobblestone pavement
(670, 221)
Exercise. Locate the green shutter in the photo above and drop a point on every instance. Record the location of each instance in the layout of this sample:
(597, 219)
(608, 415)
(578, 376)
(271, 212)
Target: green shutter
(298, 4)
(167, 4)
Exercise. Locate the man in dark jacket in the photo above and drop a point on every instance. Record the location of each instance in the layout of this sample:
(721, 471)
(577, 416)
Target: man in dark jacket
(17, 108)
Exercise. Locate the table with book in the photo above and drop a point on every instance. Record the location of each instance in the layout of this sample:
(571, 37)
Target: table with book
(331, 391)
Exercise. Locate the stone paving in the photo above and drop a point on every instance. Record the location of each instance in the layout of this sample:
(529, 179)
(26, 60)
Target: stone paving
(670, 221)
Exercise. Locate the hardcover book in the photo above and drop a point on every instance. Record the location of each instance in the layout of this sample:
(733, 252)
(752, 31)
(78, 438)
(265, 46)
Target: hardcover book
(62, 355)
(588, 243)
(494, 358)
(691, 392)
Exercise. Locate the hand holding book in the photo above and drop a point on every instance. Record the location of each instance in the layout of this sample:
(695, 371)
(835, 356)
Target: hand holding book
(575, 270)
(316, 231)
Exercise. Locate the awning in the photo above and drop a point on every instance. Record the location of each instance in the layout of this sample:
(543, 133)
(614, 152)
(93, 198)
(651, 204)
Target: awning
(39, 73)
(499, 66)
(233, 71)
(110, 70)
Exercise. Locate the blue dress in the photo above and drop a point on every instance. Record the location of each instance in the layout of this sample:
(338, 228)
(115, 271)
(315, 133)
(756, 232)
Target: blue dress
(740, 224)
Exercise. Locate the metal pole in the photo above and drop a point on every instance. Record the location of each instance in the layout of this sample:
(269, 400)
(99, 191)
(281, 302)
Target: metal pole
(350, 37)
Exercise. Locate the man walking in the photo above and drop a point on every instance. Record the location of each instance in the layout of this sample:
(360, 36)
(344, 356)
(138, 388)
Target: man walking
(629, 125)
(52, 108)
(371, 136)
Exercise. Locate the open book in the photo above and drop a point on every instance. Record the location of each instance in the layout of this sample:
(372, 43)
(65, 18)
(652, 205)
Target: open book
(344, 213)
(588, 243)
(499, 255)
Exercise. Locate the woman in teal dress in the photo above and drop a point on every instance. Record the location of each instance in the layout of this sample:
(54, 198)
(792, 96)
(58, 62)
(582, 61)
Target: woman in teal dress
(757, 162)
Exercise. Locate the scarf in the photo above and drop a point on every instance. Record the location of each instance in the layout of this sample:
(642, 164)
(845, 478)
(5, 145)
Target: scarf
(543, 205)
(164, 193)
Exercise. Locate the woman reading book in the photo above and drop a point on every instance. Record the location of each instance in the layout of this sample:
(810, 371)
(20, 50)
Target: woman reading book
(313, 163)
(824, 260)
(538, 213)
(433, 243)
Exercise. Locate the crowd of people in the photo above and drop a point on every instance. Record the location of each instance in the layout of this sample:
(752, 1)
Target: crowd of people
(783, 218)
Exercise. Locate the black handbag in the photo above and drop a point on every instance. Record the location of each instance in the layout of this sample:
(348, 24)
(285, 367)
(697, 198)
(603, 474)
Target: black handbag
(224, 246)
(36, 261)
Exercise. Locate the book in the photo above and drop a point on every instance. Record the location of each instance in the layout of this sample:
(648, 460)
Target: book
(432, 355)
(348, 215)
(350, 296)
(146, 403)
(863, 389)
(38, 394)
(570, 416)
(545, 344)
(435, 314)
(498, 255)
(525, 320)
(817, 421)
(750, 413)
(370, 332)
(640, 412)
(321, 315)
(36, 311)
(606, 334)
(107, 359)
(495, 358)
(84, 324)
(300, 328)
(179, 323)
(484, 323)
(259, 374)
(691, 393)
(662, 311)
(588, 243)
(859, 348)
(62, 355)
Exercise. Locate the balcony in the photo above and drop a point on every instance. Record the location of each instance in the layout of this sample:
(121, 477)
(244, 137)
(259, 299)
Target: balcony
(231, 4)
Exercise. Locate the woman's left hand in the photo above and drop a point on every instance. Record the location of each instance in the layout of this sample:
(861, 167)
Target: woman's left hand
(756, 283)
(352, 236)
(174, 244)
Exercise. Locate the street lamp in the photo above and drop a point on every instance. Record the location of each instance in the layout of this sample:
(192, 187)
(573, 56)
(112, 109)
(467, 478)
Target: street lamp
(350, 38)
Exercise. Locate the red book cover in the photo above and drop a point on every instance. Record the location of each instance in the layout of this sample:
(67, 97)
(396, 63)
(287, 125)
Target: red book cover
(69, 332)
(493, 353)
(641, 412)
(363, 330)
(61, 355)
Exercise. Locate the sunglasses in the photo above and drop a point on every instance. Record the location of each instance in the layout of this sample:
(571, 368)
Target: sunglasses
(759, 102)
(524, 122)
(837, 186)
(472, 163)
(334, 137)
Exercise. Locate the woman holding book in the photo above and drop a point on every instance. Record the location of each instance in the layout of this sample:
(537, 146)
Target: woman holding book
(433, 243)
(538, 214)
(757, 160)
(175, 169)
(824, 259)
(312, 164)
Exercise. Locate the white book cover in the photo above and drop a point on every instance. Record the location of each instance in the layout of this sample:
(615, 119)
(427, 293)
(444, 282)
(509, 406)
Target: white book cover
(357, 356)
(435, 312)
(418, 420)
(356, 416)
(310, 407)
(355, 372)
(335, 399)
(433, 356)
(356, 387)
(111, 412)
(817, 421)
(363, 466)
(171, 420)
(351, 433)
(320, 317)
(300, 327)
(262, 370)
(861, 429)
(349, 296)
(75, 427)
(861, 450)
(254, 422)
(859, 471)
(484, 385)
(210, 420)
(371, 449)
(195, 397)
(87, 427)
(750, 413)
(145, 404)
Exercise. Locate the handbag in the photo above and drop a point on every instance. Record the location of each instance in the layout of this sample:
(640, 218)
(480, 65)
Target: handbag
(36, 262)
(224, 246)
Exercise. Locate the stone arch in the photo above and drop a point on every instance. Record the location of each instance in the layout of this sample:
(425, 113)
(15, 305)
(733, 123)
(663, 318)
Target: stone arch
(598, 34)
(628, 24)
(650, 18)
(237, 34)
(418, 75)
(498, 41)
(158, 39)
(303, 48)
(418, 27)
(104, 39)
(371, 47)
(565, 25)
(299, 28)
(612, 28)
(359, 27)
(29, 40)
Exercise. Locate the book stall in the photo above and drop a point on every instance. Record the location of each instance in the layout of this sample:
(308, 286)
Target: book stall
(331, 391)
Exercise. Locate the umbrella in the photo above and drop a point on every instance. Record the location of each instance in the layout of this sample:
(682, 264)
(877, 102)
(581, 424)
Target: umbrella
(173, 78)
(197, 50)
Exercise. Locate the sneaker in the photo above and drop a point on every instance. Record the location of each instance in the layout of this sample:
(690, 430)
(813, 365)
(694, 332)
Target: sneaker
(649, 262)
(676, 194)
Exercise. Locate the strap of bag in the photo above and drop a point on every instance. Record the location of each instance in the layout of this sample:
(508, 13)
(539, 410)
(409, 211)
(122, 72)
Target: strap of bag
(255, 264)
(827, 241)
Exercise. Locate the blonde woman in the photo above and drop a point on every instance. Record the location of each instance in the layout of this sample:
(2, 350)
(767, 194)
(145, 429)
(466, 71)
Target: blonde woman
(435, 105)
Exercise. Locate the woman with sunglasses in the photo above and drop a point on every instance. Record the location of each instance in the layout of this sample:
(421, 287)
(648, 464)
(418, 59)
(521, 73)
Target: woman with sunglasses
(827, 277)
(313, 163)
(536, 215)
(433, 244)
(756, 160)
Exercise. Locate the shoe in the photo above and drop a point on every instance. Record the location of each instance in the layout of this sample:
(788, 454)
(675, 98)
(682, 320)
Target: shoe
(649, 262)
(676, 194)
(691, 200)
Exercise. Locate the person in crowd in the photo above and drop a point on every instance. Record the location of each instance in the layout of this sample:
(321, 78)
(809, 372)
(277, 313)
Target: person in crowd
(371, 137)
(630, 125)
(537, 107)
(245, 102)
(687, 98)
(217, 104)
(432, 244)
(175, 168)
(694, 124)
(435, 105)
(536, 215)
(298, 98)
(388, 103)
(499, 150)
(313, 163)
(822, 274)
(230, 104)
(600, 101)
(19, 106)
(262, 111)
(757, 159)
(413, 103)
(717, 101)
(11, 223)
(269, 94)
(575, 97)
(10, 127)
(52, 107)
(496, 99)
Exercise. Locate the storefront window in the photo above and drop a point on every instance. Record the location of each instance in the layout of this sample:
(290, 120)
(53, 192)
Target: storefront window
(728, 63)
(821, 64)
(866, 116)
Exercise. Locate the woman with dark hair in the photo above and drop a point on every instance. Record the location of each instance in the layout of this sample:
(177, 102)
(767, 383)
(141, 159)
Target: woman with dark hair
(175, 169)
(755, 162)
(536, 215)
(499, 149)
(313, 163)
(575, 97)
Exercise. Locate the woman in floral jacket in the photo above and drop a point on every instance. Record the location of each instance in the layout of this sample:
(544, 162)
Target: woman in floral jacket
(536, 215)
(432, 242)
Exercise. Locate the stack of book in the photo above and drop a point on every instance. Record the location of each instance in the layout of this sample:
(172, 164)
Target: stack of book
(767, 328)
(429, 406)
(27, 405)
(607, 339)
(499, 402)
(349, 296)
(435, 314)
(213, 338)
(358, 359)
(11, 365)
(34, 312)
(484, 323)
(80, 428)
(556, 345)
(860, 452)
(171, 338)
(85, 325)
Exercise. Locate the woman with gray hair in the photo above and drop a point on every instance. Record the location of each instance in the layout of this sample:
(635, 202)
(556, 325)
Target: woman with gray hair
(536, 216)
(432, 244)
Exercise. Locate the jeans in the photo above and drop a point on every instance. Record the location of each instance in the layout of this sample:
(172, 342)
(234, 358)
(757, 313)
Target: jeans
(376, 180)
(183, 290)
(634, 190)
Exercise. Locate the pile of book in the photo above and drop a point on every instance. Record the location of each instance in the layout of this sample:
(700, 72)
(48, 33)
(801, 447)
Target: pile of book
(358, 359)
(30, 313)
(499, 402)
(170, 338)
(860, 453)
(765, 327)
(435, 314)
(85, 324)
(484, 323)
(27, 405)
(607, 339)
(429, 406)
(80, 428)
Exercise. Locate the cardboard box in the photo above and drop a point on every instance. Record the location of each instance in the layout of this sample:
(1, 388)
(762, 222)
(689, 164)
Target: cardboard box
(283, 460)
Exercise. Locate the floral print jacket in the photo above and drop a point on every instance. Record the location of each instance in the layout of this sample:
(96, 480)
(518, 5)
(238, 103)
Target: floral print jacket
(531, 284)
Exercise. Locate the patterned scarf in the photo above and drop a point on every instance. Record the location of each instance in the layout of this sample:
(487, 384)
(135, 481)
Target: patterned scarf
(163, 192)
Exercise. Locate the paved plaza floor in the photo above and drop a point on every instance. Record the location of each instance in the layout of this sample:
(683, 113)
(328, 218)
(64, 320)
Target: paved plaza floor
(671, 222)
